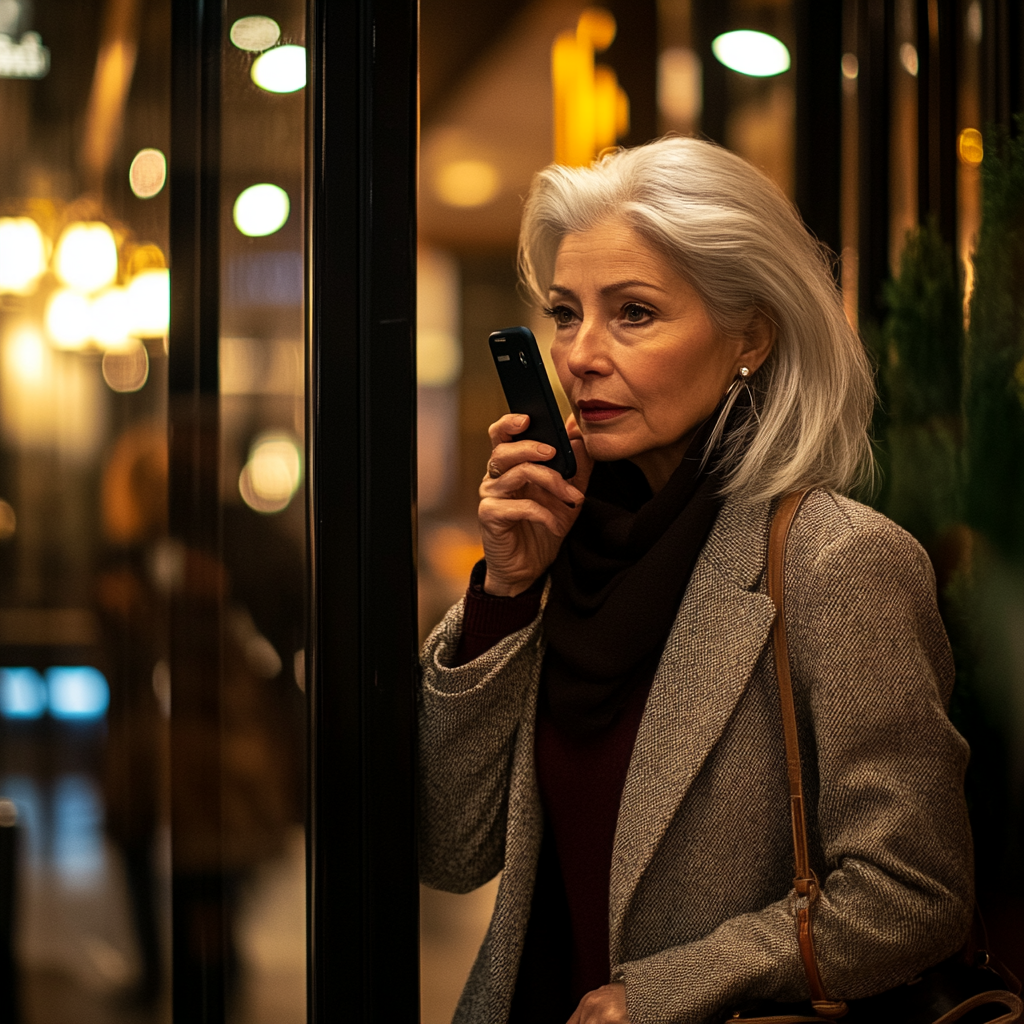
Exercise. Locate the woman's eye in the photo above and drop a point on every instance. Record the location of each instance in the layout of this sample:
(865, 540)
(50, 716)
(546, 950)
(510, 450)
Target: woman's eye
(562, 315)
(635, 314)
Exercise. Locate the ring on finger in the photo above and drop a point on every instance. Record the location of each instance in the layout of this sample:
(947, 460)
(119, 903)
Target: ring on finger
(492, 470)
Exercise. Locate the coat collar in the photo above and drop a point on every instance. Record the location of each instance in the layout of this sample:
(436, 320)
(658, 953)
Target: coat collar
(723, 624)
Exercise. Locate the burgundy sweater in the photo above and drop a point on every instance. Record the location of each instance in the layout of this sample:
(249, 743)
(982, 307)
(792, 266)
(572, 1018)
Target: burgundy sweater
(580, 783)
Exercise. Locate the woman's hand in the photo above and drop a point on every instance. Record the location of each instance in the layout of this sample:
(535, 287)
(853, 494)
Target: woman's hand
(526, 508)
(605, 1005)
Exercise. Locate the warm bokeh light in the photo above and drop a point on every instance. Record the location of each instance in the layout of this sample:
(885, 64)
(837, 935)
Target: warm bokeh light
(282, 69)
(751, 53)
(908, 58)
(110, 319)
(147, 174)
(127, 369)
(22, 255)
(255, 33)
(86, 256)
(68, 319)
(8, 520)
(466, 183)
(680, 84)
(438, 358)
(850, 66)
(591, 111)
(969, 147)
(149, 303)
(273, 473)
(26, 356)
(261, 210)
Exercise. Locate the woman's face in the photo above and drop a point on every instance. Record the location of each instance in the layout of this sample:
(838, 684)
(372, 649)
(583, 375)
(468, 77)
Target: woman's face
(638, 357)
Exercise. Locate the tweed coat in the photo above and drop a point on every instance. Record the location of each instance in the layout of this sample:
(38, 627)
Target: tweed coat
(701, 901)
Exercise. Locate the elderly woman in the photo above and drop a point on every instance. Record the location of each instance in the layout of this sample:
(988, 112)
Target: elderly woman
(600, 717)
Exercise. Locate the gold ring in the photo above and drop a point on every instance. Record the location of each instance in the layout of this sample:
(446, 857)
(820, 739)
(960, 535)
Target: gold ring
(492, 470)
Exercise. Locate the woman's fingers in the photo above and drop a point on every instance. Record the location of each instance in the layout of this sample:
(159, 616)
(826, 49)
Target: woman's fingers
(498, 513)
(506, 428)
(519, 476)
(510, 453)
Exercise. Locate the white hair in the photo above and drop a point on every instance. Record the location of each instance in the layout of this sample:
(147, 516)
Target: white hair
(740, 242)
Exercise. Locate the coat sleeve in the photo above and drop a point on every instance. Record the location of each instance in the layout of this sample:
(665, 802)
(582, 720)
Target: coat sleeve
(469, 717)
(873, 673)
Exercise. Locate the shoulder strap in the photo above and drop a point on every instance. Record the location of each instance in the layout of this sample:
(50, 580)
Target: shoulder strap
(805, 882)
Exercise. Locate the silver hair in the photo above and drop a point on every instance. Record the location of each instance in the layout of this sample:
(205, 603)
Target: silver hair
(740, 242)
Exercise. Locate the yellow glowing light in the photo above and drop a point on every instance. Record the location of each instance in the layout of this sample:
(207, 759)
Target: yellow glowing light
(590, 109)
(27, 356)
(282, 69)
(969, 147)
(147, 173)
(850, 66)
(466, 183)
(86, 256)
(8, 520)
(22, 255)
(255, 33)
(261, 210)
(68, 319)
(127, 370)
(111, 320)
(908, 58)
(149, 303)
(751, 53)
(273, 473)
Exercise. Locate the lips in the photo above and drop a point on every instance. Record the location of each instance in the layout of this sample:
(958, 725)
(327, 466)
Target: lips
(595, 411)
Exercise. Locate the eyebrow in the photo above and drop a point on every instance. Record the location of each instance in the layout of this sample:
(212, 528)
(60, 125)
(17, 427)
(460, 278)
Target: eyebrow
(610, 289)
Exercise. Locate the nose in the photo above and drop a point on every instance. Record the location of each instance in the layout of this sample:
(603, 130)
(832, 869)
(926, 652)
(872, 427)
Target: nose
(589, 353)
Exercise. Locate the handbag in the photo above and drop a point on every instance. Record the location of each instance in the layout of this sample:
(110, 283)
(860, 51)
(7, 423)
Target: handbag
(967, 988)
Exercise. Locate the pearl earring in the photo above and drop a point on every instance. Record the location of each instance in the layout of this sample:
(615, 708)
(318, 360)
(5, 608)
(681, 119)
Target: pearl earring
(744, 372)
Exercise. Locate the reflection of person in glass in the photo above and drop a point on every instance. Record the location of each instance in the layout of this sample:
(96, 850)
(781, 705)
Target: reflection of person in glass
(600, 717)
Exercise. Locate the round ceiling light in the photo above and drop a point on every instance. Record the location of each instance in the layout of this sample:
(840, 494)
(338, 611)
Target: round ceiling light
(261, 210)
(282, 69)
(751, 53)
(255, 33)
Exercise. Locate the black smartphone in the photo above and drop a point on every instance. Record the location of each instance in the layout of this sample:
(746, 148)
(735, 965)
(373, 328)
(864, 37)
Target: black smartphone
(524, 380)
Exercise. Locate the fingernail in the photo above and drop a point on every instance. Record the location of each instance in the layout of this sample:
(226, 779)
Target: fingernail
(545, 449)
(576, 494)
(518, 420)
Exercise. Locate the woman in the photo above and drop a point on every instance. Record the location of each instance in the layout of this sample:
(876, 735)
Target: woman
(600, 717)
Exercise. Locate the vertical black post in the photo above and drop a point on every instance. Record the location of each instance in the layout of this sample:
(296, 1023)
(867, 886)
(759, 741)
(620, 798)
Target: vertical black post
(1002, 75)
(819, 116)
(200, 920)
(10, 983)
(938, 34)
(711, 19)
(362, 131)
(874, 56)
(634, 55)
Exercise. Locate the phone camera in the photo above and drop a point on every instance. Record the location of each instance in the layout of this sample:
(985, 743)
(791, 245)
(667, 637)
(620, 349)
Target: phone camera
(522, 359)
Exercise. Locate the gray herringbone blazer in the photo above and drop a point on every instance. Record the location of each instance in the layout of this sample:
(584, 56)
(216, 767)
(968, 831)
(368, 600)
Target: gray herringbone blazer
(700, 888)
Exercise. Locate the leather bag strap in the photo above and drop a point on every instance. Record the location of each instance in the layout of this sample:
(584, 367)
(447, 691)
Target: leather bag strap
(804, 881)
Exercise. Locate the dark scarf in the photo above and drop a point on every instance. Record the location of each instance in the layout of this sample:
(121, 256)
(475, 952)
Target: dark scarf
(617, 584)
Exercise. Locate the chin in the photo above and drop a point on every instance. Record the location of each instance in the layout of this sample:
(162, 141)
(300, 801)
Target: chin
(608, 448)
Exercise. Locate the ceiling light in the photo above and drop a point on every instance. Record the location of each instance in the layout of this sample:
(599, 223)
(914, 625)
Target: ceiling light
(751, 53)
(127, 370)
(273, 473)
(68, 318)
(466, 183)
(148, 173)
(87, 256)
(22, 254)
(282, 69)
(908, 58)
(255, 33)
(111, 319)
(261, 210)
(149, 303)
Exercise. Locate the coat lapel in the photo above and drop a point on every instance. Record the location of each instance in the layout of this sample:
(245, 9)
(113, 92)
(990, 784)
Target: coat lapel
(715, 642)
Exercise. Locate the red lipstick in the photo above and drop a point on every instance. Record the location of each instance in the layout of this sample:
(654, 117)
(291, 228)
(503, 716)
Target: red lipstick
(595, 411)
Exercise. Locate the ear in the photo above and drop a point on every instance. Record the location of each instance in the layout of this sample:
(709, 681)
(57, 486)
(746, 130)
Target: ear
(758, 340)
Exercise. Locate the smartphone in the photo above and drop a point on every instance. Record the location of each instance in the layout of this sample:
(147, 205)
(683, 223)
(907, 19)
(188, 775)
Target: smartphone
(524, 380)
